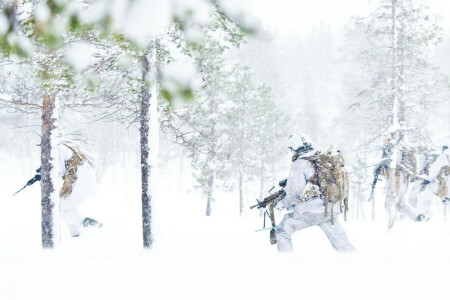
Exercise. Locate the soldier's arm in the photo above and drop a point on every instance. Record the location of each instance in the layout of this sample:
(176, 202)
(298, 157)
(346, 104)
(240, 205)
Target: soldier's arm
(295, 182)
(436, 167)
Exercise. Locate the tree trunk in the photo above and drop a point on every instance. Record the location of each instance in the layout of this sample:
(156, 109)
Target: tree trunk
(49, 174)
(210, 191)
(373, 209)
(241, 200)
(180, 180)
(395, 129)
(145, 167)
(261, 180)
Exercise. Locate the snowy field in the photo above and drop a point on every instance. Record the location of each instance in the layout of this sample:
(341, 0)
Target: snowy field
(196, 257)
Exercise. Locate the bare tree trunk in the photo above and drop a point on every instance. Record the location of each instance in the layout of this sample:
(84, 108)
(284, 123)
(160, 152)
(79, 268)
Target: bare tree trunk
(114, 152)
(261, 180)
(211, 178)
(373, 209)
(145, 167)
(241, 200)
(395, 129)
(210, 191)
(180, 181)
(49, 174)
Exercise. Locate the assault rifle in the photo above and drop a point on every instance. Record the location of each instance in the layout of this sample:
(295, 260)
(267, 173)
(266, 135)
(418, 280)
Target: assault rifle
(30, 182)
(271, 201)
(376, 174)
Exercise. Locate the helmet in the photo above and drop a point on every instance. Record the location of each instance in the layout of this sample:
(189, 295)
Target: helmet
(300, 143)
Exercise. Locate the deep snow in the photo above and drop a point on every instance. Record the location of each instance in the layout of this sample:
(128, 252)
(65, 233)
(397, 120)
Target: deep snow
(195, 257)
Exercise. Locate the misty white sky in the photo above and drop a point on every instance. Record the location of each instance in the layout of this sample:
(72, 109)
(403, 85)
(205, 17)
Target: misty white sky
(309, 85)
(301, 16)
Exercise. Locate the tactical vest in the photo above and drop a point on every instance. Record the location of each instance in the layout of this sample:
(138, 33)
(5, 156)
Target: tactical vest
(71, 167)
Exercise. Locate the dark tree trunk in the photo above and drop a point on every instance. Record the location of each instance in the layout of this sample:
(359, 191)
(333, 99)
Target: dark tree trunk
(241, 200)
(47, 187)
(145, 167)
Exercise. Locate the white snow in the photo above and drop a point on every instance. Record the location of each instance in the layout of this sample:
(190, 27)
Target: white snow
(4, 24)
(154, 116)
(55, 174)
(42, 12)
(124, 61)
(180, 74)
(195, 257)
(196, 10)
(79, 55)
(5, 97)
(146, 19)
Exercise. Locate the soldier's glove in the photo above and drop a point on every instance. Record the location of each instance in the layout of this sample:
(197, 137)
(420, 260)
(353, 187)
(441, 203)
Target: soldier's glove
(282, 183)
(426, 181)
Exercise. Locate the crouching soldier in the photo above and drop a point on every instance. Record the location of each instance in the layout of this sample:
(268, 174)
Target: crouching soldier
(316, 193)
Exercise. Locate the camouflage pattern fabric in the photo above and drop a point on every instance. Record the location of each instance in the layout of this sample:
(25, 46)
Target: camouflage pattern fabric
(331, 178)
(408, 162)
(71, 167)
(442, 184)
(310, 191)
(387, 173)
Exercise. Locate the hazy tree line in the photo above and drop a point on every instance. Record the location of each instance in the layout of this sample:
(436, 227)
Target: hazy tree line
(55, 59)
(231, 119)
(394, 54)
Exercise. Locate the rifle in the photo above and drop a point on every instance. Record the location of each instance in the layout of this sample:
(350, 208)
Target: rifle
(30, 182)
(271, 201)
(376, 173)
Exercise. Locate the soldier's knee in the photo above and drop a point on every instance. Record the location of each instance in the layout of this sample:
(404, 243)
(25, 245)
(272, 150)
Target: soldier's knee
(283, 235)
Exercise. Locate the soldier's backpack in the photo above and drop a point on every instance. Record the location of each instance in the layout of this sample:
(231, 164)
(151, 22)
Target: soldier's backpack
(408, 162)
(71, 167)
(332, 179)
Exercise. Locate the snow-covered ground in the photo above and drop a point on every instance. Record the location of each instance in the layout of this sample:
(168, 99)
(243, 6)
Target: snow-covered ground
(195, 257)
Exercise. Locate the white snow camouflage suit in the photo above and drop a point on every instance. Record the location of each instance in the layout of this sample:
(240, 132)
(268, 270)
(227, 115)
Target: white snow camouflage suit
(84, 185)
(432, 193)
(416, 185)
(396, 188)
(308, 213)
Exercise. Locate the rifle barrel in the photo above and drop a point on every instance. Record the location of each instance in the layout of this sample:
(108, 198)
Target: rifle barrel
(19, 190)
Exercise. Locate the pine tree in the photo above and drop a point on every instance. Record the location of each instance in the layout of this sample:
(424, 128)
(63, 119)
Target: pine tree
(400, 82)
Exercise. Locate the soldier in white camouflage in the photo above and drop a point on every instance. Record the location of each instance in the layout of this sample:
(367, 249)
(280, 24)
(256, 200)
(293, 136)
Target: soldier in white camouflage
(396, 183)
(79, 182)
(438, 188)
(305, 203)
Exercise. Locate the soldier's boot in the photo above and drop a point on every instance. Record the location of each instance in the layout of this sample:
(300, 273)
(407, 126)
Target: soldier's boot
(91, 222)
